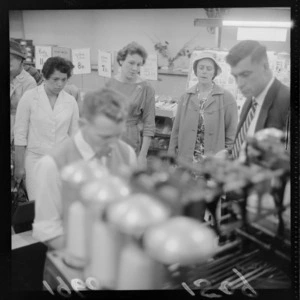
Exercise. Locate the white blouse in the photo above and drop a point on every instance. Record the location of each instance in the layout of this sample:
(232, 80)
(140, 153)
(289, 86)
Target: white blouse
(41, 128)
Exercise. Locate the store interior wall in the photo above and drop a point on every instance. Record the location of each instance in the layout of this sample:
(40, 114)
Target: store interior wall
(110, 30)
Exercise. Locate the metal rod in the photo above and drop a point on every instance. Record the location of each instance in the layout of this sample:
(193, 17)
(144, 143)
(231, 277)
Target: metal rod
(264, 245)
(234, 257)
(268, 232)
(253, 277)
(227, 271)
(253, 273)
(250, 237)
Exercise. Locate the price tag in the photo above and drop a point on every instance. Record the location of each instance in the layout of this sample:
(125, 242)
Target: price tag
(149, 69)
(42, 53)
(81, 61)
(104, 63)
(62, 52)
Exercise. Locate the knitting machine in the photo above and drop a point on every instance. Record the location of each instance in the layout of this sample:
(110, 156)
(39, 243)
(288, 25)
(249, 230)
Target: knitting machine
(254, 240)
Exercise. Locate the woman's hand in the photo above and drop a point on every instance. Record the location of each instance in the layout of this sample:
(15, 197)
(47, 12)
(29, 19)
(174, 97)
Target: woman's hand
(19, 171)
(19, 174)
(142, 161)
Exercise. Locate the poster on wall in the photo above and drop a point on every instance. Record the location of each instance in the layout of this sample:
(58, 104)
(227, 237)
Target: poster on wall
(42, 53)
(104, 63)
(62, 52)
(149, 69)
(116, 66)
(81, 61)
(281, 68)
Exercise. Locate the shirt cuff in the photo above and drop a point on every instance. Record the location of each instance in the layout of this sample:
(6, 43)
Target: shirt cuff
(47, 230)
(149, 132)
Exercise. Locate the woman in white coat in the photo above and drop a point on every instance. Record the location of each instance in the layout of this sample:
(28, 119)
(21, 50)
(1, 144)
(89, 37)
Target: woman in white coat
(45, 117)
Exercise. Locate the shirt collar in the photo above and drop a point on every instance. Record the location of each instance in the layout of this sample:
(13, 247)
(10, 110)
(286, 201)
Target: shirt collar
(260, 98)
(84, 148)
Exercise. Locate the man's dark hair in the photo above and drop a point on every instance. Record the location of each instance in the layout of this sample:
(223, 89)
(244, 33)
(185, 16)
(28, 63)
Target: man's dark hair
(57, 63)
(246, 48)
(105, 102)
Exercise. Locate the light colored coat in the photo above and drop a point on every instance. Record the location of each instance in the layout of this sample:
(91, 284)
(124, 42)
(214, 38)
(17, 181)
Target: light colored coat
(220, 122)
(41, 128)
(18, 86)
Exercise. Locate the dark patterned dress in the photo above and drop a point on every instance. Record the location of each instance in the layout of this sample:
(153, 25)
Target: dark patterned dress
(199, 145)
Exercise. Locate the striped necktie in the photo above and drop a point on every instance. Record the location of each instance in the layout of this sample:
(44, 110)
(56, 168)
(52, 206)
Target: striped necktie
(244, 129)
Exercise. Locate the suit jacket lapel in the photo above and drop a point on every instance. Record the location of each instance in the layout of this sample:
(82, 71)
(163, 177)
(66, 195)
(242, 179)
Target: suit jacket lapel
(270, 96)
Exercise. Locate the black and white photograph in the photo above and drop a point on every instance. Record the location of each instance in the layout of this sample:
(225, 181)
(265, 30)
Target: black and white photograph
(151, 150)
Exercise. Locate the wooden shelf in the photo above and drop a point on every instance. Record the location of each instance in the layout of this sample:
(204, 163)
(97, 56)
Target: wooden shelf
(163, 135)
(94, 67)
(170, 72)
(157, 149)
(164, 113)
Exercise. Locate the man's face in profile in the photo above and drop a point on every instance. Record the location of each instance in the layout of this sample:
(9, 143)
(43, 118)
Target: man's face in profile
(250, 76)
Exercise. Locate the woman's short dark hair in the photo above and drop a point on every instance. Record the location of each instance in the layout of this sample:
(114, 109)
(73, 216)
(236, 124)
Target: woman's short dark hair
(107, 102)
(246, 48)
(132, 48)
(57, 63)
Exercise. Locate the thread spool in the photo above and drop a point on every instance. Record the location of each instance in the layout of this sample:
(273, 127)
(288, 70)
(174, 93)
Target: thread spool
(138, 271)
(104, 255)
(75, 255)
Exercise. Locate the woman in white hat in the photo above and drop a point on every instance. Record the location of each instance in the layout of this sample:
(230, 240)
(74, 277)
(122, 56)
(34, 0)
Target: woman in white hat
(207, 115)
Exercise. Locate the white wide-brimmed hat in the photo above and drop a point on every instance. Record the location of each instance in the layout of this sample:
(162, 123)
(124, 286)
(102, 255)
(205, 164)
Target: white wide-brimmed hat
(209, 55)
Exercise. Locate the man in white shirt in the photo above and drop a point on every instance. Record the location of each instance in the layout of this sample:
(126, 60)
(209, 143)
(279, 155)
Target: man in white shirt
(20, 80)
(103, 121)
(250, 68)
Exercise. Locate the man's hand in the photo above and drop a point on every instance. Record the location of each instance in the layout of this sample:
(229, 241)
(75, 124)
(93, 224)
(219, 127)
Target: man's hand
(19, 174)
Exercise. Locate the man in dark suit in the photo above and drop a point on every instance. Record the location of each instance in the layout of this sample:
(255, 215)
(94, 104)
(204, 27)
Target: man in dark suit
(250, 68)
(267, 99)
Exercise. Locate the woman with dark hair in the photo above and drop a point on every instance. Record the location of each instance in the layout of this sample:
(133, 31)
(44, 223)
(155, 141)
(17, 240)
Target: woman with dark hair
(206, 119)
(141, 98)
(46, 116)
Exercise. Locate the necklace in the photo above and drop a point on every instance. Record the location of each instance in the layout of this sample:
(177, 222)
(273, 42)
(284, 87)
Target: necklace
(203, 97)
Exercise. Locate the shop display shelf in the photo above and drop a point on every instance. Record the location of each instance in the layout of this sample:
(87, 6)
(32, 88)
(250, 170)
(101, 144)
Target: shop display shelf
(162, 135)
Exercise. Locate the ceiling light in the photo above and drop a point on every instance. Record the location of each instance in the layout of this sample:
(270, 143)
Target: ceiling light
(257, 24)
